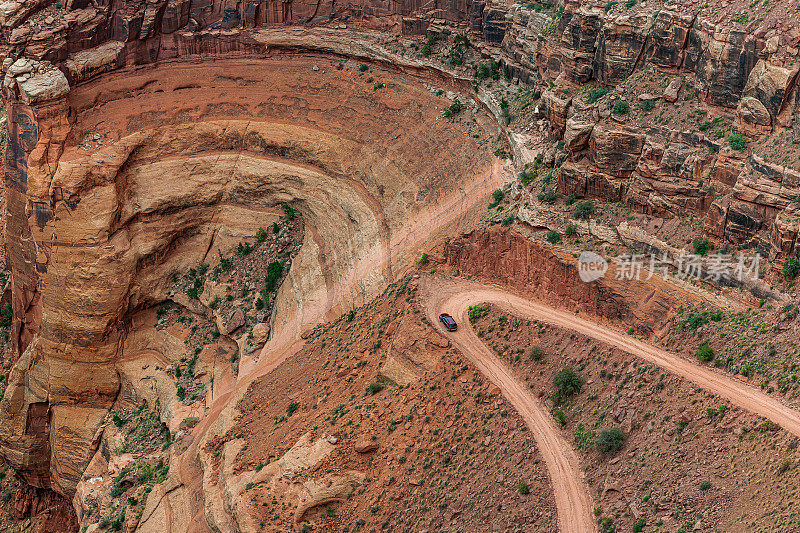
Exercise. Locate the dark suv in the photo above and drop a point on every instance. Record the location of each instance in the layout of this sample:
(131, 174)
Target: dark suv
(448, 321)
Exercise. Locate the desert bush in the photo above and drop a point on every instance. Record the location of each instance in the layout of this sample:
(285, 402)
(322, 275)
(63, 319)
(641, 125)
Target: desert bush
(477, 311)
(536, 353)
(701, 245)
(705, 353)
(647, 105)
(567, 382)
(597, 93)
(791, 268)
(274, 271)
(549, 196)
(621, 107)
(553, 237)
(610, 440)
(737, 141)
(523, 488)
(453, 109)
(584, 209)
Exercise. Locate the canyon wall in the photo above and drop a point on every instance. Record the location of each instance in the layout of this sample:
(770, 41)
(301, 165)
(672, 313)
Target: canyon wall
(118, 183)
(712, 69)
(141, 134)
(503, 256)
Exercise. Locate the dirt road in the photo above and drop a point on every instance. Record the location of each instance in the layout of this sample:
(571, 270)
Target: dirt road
(440, 295)
(573, 502)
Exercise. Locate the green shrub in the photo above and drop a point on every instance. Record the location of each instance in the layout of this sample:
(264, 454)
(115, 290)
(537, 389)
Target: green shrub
(523, 488)
(362, 67)
(598, 92)
(477, 311)
(791, 268)
(705, 353)
(701, 245)
(536, 353)
(705, 485)
(549, 196)
(118, 420)
(606, 525)
(292, 407)
(737, 141)
(375, 388)
(289, 211)
(181, 392)
(259, 304)
(638, 526)
(584, 209)
(498, 195)
(630, 3)
(560, 417)
(567, 382)
(274, 271)
(621, 107)
(610, 5)
(610, 440)
(423, 260)
(553, 237)
(571, 230)
(647, 105)
(452, 109)
(243, 249)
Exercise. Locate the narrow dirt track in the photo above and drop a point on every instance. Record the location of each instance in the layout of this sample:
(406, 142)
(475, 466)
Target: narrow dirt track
(573, 502)
(442, 295)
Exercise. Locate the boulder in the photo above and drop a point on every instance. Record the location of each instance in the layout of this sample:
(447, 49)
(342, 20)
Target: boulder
(672, 90)
(235, 320)
(752, 112)
(768, 85)
(365, 444)
(260, 333)
(577, 134)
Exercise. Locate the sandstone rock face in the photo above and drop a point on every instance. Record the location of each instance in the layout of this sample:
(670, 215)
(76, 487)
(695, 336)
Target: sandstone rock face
(765, 94)
(620, 44)
(721, 61)
(511, 259)
(577, 46)
(128, 180)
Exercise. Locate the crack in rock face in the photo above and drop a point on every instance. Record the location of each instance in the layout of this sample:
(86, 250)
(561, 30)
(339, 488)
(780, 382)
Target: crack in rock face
(127, 180)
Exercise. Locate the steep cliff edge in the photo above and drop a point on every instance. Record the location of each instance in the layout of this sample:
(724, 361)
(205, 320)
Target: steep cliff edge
(123, 182)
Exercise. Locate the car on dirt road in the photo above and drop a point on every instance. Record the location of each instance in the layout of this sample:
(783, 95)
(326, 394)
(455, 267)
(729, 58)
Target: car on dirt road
(448, 322)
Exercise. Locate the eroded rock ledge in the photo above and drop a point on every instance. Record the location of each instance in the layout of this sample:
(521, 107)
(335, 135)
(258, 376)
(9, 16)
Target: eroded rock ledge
(124, 181)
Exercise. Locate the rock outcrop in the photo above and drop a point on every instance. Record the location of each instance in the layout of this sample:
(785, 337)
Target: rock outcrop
(118, 183)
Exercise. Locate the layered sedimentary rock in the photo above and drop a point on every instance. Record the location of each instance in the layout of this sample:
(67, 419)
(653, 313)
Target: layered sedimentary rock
(117, 183)
(749, 73)
(509, 258)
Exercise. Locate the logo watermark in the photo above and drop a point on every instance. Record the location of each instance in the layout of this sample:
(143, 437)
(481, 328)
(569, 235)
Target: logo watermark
(641, 267)
(591, 266)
